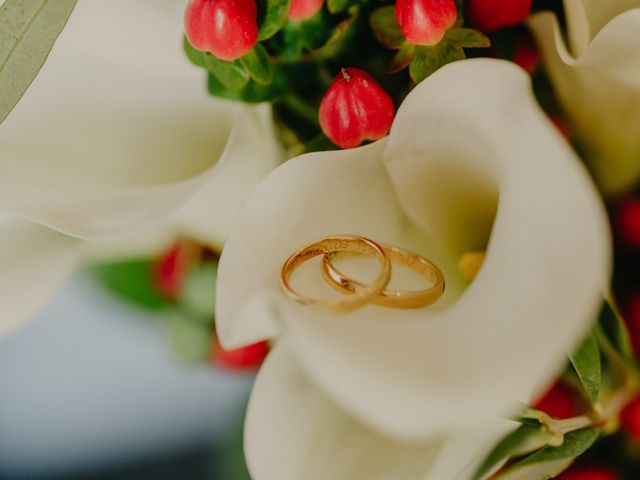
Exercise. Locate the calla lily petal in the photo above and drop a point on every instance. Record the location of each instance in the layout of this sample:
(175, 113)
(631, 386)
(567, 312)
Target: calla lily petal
(252, 151)
(294, 431)
(599, 89)
(585, 18)
(117, 132)
(36, 262)
(413, 374)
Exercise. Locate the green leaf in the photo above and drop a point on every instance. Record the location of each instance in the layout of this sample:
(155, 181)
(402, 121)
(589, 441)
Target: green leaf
(230, 74)
(586, 362)
(615, 330)
(524, 439)
(337, 6)
(385, 27)
(190, 339)
(258, 63)
(272, 17)
(468, 38)
(575, 444)
(28, 30)
(426, 60)
(133, 281)
(199, 293)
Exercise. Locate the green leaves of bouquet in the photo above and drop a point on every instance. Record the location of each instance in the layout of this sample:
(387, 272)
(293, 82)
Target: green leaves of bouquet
(600, 379)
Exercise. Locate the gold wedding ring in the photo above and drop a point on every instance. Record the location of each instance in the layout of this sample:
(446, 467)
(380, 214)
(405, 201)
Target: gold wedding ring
(326, 247)
(392, 298)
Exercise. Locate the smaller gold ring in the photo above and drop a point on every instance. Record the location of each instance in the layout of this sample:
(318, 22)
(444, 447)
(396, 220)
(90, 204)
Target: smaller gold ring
(326, 247)
(393, 298)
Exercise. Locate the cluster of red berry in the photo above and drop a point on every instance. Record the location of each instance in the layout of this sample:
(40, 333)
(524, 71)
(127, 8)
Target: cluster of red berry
(355, 108)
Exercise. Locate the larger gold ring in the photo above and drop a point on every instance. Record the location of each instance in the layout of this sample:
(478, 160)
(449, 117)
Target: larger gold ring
(350, 243)
(393, 298)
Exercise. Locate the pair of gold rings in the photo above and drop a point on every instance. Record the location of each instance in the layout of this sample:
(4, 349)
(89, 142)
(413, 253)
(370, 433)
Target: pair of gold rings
(360, 294)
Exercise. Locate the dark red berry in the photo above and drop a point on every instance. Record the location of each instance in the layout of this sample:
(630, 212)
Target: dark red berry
(559, 401)
(627, 221)
(490, 15)
(631, 314)
(244, 358)
(172, 267)
(355, 108)
(424, 22)
(226, 28)
(526, 54)
(303, 9)
(630, 418)
(588, 473)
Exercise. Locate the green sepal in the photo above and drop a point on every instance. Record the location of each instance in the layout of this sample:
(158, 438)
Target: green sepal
(586, 362)
(337, 6)
(253, 92)
(258, 64)
(402, 58)
(230, 74)
(426, 60)
(272, 15)
(385, 27)
(468, 38)
(195, 56)
(297, 38)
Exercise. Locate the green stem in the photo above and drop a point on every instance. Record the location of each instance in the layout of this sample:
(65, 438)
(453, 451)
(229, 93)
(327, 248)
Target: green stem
(301, 108)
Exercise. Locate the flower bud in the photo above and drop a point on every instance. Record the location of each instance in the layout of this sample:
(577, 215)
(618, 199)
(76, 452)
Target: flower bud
(490, 15)
(244, 358)
(226, 28)
(559, 402)
(355, 108)
(424, 22)
(303, 9)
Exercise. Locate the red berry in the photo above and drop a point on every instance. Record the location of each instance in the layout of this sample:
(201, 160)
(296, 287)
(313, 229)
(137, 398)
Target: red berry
(588, 473)
(627, 221)
(171, 268)
(226, 28)
(526, 54)
(562, 126)
(630, 418)
(490, 15)
(631, 314)
(243, 358)
(559, 401)
(303, 9)
(355, 108)
(424, 22)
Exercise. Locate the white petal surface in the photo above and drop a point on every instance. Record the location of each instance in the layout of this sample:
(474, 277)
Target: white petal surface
(252, 151)
(600, 92)
(293, 431)
(117, 132)
(414, 373)
(35, 263)
(585, 18)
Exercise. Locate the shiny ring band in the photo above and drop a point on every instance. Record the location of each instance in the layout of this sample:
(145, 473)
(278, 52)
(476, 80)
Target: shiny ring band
(393, 298)
(338, 243)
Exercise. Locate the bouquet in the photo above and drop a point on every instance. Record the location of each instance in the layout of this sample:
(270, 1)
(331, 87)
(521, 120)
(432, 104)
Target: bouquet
(418, 220)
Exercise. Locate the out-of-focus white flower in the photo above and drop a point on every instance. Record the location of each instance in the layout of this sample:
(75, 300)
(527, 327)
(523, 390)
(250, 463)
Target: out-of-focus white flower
(117, 136)
(471, 163)
(597, 79)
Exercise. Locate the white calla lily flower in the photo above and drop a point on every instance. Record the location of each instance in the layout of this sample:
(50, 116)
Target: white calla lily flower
(471, 163)
(597, 79)
(117, 136)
